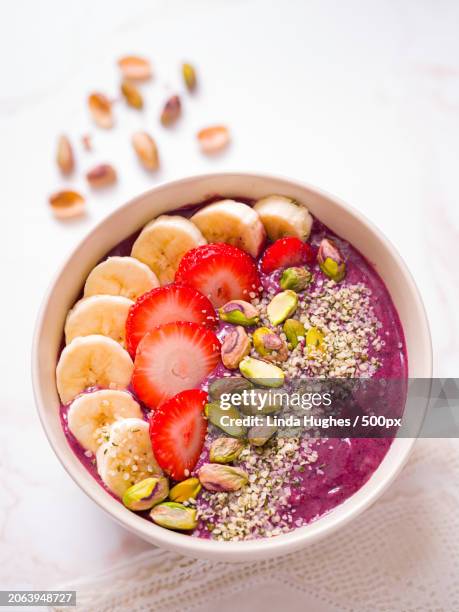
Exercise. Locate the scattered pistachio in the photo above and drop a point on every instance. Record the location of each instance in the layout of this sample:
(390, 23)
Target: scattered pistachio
(282, 306)
(269, 345)
(187, 489)
(225, 450)
(171, 111)
(235, 346)
(131, 94)
(294, 330)
(146, 150)
(261, 372)
(101, 176)
(146, 493)
(296, 279)
(135, 68)
(228, 384)
(260, 434)
(64, 156)
(239, 312)
(66, 204)
(100, 108)
(331, 260)
(217, 477)
(315, 339)
(223, 417)
(86, 141)
(174, 516)
(262, 402)
(189, 76)
(213, 139)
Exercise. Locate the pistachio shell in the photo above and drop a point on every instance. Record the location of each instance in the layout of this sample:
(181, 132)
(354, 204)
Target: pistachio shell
(146, 493)
(331, 260)
(216, 477)
(146, 150)
(189, 76)
(235, 346)
(260, 434)
(100, 108)
(101, 176)
(187, 489)
(174, 516)
(296, 279)
(171, 111)
(294, 330)
(64, 156)
(132, 95)
(215, 413)
(213, 139)
(282, 306)
(238, 312)
(228, 384)
(66, 204)
(135, 68)
(225, 450)
(261, 372)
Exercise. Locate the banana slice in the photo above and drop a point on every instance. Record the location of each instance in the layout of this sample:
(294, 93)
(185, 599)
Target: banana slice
(99, 314)
(232, 222)
(91, 414)
(92, 361)
(124, 276)
(283, 216)
(127, 456)
(163, 242)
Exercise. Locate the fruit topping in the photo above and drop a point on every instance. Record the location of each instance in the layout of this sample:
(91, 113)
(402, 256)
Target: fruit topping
(269, 345)
(295, 331)
(283, 216)
(216, 477)
(222, 272)
(177, 432)
(124, 276)
(225, 450)
(171, 358)
(235, 346)
(165, 305)
(261, 372)
(297, 279)
(145, 494)
(331, 260)
(185, 490)
(286, 252)
(282, 306)
(239, 312)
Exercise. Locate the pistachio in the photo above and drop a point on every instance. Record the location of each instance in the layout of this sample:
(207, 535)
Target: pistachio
(86, 141)
(262, 402)
(294, 330)
(187, 489)
(171, 111)
(101, 176)
(269, 345)
(239, 312)
(64, 156)
(132, 95)
(331, 260)
(66, 204)
(296, 279)
(146, 150)
(189, 76)
(260, 434)
(216, 477)
(228, 384)
(135, 68)
(225, 450)
(100, 108)
(213, 139)
(146, 493)
(235, 346)
(261, 372)
(223, 418)
(282, 306)
(172, 515)
(315, 339)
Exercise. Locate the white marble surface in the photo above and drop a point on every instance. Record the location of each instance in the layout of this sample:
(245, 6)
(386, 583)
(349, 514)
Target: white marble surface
(360, 98)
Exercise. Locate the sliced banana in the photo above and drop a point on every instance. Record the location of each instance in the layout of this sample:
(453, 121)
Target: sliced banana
(127, 456)
(283, 216)
(163, 242)
(92, 361)
(232, 222)
(90, 415)
(99, 314)
(124, 276)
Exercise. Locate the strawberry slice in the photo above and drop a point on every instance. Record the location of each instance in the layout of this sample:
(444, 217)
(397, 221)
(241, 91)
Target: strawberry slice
(177, 432)
(171, 358)
(220, 271)
(286, 252)
(165, 305)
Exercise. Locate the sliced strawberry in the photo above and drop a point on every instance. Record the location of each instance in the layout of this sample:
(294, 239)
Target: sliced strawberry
(165, 305)
(220, 271)
(286, 252)
(171, 358)
(177, 432)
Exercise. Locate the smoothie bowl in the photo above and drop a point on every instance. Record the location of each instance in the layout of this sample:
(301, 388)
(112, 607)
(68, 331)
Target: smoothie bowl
(206, 291)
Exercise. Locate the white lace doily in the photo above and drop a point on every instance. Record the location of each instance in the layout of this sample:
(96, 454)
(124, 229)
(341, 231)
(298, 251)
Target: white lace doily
(402, 554)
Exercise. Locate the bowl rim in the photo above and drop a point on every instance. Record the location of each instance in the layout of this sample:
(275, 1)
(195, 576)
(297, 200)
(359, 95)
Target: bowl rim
(250, 549)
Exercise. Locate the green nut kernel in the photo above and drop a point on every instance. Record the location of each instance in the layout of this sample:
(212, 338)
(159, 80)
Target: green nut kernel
(331, 260)
(228, 384)
(216, 477)
(172, 515)
(225, 450)
(146, 493)
(294, 330)
(260, 434)
(282, 306)
(223, 418)
(187, 489)
(269, 345)
(315, 339)
(262, 402)
(239, 312)
(261, 372)
(297, 279)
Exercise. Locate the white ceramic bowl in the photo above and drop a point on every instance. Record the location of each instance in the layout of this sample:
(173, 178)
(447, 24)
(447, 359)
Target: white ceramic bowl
(348, 223)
